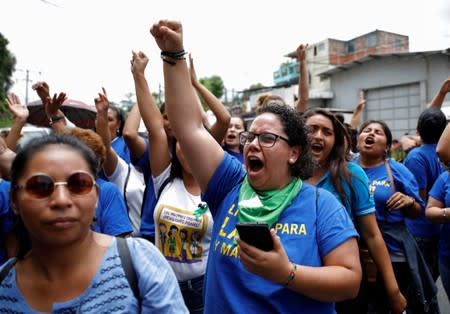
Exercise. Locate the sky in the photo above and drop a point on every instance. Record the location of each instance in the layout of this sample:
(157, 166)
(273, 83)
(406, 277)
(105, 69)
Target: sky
(80, 46)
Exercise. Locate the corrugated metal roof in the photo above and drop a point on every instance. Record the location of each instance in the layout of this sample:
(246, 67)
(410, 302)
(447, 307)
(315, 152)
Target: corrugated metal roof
(349, 65)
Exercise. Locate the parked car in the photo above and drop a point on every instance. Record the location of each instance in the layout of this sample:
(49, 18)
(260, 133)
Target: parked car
(29, 132)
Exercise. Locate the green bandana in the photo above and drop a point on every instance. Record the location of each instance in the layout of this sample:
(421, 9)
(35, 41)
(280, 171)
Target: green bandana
(265, 206)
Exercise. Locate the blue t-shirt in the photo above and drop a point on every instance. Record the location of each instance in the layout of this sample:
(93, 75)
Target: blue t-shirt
(111, 213)
(359, 202)
(441, 192)
(306, 232)
(109, 290)
(6, 217)
(121, 148)
(424, 164)
(380, 187)
(239, 156)
(148, 204)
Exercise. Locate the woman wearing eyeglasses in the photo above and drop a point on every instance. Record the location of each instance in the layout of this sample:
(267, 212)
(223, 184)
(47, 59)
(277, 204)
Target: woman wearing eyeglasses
(70, 268)
(314, 260)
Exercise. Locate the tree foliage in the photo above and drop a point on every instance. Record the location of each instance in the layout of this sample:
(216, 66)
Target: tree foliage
(214, 84)
(246, 94)
(7, 67)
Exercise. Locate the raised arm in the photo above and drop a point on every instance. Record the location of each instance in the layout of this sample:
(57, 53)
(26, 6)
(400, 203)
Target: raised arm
(6, 158)
(20, 113)
(303, 87)
(357, 113)
(136, 144)
(159, 147)
(443, 145)
(440, 96)
(52, 106)
(219, 128)
(200, 149)
(101, 127)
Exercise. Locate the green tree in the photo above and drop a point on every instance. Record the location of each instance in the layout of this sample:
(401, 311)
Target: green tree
(214, 84)
(7, 67)
(246, 93)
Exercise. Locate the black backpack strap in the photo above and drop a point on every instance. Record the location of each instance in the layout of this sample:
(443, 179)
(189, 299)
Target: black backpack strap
(163, 185)
(8, 266)
(127, 264)
(125, 189)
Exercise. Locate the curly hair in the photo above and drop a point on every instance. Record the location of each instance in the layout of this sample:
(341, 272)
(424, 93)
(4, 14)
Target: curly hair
(91, 139)
(295, 128)
(260, 101)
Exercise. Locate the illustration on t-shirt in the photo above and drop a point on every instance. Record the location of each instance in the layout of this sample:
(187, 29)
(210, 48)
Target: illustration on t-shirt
(180, 234)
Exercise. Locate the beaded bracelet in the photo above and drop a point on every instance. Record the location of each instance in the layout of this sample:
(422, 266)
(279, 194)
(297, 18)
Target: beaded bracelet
(174, 54)
(291, 275)
(171, 60)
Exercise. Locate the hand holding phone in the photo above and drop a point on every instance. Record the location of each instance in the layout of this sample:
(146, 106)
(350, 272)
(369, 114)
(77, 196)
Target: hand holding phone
(256, 234)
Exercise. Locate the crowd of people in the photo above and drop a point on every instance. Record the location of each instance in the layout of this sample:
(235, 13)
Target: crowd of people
(109, 220)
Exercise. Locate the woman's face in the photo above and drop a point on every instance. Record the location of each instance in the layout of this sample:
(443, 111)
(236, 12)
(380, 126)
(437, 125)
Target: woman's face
(268, 168)
(232, 136)
(322, 136)
(61, 218)
(372, 141)
(113, 123)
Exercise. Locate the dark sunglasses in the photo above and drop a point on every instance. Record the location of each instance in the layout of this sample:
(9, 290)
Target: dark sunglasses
(42, 185)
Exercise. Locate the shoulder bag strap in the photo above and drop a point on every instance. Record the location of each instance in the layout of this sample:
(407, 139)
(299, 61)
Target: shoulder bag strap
(127, 264)
(124, 193)
(8, 266)
(391, 181)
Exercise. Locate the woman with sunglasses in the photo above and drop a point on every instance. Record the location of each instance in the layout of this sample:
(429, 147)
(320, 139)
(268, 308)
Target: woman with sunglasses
(71, 268)
(313, 262)
(396, 196)
(349, 183)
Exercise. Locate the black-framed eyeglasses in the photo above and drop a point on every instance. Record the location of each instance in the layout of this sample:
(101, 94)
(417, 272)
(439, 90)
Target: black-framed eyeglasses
(265, 139)
(42, 185)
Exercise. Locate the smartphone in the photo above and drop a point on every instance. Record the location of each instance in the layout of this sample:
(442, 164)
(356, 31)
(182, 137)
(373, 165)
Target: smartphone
(256, 234)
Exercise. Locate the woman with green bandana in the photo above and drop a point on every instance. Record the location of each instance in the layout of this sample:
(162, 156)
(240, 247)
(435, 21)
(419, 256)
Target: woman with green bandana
(314, 261)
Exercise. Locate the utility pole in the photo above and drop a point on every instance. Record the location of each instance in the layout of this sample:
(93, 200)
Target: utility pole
(27, 80)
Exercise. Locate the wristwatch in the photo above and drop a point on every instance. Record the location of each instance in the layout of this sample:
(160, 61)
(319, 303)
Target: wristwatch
(55, 119)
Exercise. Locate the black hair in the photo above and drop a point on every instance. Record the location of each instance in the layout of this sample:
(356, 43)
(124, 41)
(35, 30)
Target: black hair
(162, 108)
(19, 166)
(430, 125)
(337, 159)
(386, 129)
(295, 128)
(120, 117)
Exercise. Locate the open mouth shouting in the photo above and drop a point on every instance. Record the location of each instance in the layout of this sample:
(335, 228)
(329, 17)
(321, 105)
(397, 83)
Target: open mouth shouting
(317, 148)
(254, 165)
(369, 142)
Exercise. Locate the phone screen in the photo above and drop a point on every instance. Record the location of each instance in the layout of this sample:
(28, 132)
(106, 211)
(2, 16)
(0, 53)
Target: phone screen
(256, 234)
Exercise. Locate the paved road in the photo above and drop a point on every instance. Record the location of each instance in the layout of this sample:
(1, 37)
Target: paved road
(444, 305)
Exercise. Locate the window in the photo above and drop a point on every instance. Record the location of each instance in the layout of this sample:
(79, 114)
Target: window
(350, 47)
(321, 47)
(371, 40)
(398, 43)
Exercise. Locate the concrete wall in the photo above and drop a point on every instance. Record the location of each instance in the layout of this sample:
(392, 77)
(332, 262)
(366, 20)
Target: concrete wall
(430, 72)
